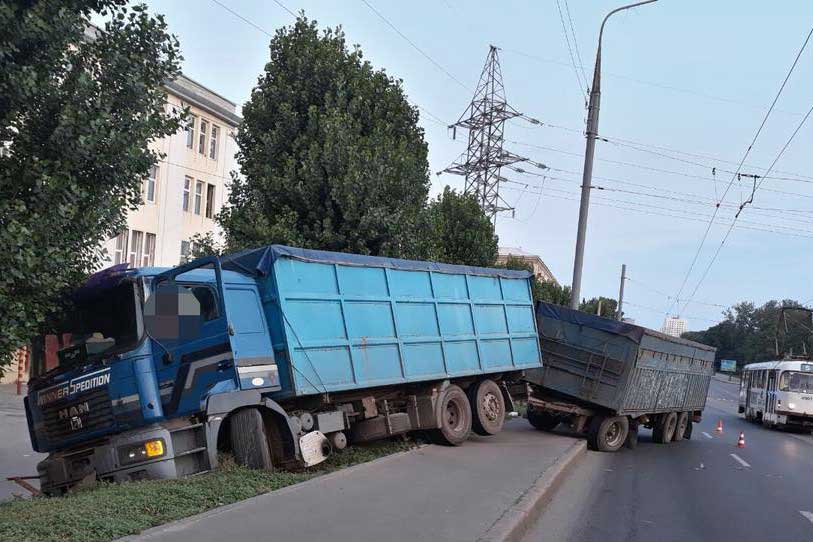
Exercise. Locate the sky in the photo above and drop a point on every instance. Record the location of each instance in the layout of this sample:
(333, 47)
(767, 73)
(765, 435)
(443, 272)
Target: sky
(685, 86)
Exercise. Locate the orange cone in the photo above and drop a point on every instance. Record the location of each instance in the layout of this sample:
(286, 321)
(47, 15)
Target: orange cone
(741, 440)
(719, 426)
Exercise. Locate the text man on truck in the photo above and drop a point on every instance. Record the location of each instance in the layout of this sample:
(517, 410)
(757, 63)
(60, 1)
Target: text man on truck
(278, 355)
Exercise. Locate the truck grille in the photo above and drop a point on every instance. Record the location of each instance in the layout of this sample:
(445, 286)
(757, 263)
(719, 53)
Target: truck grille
(77, 415)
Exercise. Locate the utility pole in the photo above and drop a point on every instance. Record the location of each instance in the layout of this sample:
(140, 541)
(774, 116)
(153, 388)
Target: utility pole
(587, 177)
(620, 314)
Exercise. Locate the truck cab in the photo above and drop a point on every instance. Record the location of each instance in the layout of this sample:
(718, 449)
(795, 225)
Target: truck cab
(119, 387)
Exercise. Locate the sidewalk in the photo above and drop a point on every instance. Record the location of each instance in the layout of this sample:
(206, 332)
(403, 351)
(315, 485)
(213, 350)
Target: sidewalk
(16, 456)
(430, 494)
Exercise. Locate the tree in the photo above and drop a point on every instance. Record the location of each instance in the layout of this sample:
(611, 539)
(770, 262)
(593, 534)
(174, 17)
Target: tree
(459, 231)
(609, 306)
(77, 110)
(542, 290)
(330, 153)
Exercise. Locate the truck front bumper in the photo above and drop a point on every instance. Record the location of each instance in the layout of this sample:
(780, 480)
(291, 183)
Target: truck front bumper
(111, 460)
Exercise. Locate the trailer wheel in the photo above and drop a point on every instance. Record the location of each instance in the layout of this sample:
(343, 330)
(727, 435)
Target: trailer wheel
(487, 408)
(632, 436)
(665, 428)
(453, 414)
(688, 434)
(680, 428)
(543, 421)
(607, 433)
(249, 440)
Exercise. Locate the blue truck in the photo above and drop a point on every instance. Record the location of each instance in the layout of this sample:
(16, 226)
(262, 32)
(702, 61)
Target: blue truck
(277, 355)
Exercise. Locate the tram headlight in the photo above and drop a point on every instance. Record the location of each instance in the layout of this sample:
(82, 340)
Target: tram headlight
(791, 405)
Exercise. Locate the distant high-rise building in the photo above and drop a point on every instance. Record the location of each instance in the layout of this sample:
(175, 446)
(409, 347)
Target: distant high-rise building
(674, 326)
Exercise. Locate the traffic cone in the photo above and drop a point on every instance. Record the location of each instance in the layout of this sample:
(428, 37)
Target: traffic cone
(741, 440)
(719, 426)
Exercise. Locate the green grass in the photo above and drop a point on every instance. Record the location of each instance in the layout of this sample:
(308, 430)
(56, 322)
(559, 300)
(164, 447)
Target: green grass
(110, 511)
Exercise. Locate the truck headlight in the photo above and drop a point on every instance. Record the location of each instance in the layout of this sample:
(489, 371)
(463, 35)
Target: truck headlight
(143, 451)
(791, 405)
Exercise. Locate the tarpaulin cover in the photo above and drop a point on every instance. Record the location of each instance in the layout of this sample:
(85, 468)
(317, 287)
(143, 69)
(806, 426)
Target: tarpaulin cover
(260, 260)
(565, 314)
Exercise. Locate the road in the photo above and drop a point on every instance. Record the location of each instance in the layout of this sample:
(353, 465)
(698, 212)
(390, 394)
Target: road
(16, 456)
(702, 489)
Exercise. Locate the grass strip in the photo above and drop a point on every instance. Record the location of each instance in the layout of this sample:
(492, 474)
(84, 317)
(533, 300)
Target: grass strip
(109, 511)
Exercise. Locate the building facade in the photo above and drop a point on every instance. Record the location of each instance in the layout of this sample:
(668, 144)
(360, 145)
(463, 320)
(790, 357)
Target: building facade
(674, 326)
(540, 270)
(187, 187)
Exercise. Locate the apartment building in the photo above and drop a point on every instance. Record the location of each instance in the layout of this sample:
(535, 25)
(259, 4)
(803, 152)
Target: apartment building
(540, 269)
(187, 187)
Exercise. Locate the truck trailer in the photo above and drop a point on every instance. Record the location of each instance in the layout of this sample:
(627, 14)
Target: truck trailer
(278, 355)
(607, 378)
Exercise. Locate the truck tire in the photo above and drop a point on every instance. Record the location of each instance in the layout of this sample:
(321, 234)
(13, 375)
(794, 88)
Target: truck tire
(249, 440)
(607, 433)
(632, 437)
(688, 434)
(665, 428)
(453, 414)
(487, 408)
(544, 421)
(680, 428)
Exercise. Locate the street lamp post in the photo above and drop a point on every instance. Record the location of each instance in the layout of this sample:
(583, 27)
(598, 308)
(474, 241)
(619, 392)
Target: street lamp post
(587, 177)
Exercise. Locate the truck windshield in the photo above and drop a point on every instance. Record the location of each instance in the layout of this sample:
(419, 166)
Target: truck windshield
(98, 325)
(796, 382)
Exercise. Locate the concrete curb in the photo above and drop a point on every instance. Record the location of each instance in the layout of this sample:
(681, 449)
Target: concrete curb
(515, 521)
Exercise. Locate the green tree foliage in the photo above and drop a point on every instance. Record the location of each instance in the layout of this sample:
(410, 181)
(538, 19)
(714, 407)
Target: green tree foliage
(549, 292)
(330, 153)
(459, 231)
(748, 334)
(609, 306)
(76, 115)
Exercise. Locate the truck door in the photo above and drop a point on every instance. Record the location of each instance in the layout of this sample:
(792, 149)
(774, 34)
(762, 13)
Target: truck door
(770, 395)
(250, 338)
(187, 320)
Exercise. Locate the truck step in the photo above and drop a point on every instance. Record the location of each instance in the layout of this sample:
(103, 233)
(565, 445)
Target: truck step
(192, 451)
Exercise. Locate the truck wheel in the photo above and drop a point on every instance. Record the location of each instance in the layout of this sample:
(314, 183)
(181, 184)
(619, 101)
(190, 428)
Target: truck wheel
(665, 428)
(632, 437)
(249, 440)
(453, 415)
(607, 433)
(543, 421)
(488, 408)
(680, 428)
(688, 434)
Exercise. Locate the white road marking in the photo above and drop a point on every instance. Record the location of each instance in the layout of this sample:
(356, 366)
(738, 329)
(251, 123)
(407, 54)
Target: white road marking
(808, 515)
(707, 435)
(740, 460)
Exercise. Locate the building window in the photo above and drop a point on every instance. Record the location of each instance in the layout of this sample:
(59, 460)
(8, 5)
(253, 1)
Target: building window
(133, 256)
(198, 196)
(148, 255)
(213, 142)
(204, 125)
(190, 131)
(149, 184)
(210, 201)
(186, 251)
(187, 187)
(120, 252)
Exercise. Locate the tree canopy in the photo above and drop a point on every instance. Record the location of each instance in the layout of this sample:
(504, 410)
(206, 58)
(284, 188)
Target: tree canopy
(330, 152)
(459, 231)
(77, 109)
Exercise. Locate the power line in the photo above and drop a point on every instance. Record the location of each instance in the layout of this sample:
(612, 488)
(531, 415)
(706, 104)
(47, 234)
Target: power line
(582, 86)
(645, 307)
(576, 44)
(742, 206)
(414, 46)
(251, 23)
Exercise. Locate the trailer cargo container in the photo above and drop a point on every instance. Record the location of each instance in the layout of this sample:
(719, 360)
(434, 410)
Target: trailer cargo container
(606, 378)
(278, 355)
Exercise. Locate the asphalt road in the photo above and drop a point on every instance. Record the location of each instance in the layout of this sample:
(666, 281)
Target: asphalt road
(16, 456)
(702, 489)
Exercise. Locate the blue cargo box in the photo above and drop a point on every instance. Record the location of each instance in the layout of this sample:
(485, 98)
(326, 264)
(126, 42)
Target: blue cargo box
(343, 321)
